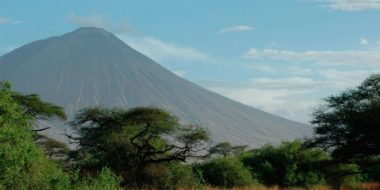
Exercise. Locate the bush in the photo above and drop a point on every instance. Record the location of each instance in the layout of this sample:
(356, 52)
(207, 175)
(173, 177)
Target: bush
(106, 180)
(287, 165)
(173, 175)
(224, 172)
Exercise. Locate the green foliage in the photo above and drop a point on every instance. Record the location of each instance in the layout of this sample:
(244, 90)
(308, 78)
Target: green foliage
(224, 172)
(34, 106)
(372, 172)
(336, 174)
(22, 164)
(226, 149)
(148, 147)
(171, 176)
(106, 180)
(348, 124)
(128, 141)
(286, 165)
(52, 148)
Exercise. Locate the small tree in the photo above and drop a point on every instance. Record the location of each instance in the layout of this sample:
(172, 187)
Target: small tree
(53, 149)
(226, 149)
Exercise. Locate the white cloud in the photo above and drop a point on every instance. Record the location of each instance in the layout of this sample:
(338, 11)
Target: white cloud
(369, 57)
(300, 71)
(351, 5)
(264, 68)
(123, 27)
(299, 83)
(152, 47)
(9, 21)
(89, 21)
(346, 79)
(100, 21)
(328, 79)
(363, 41)
(238, 28)
(161, 51)
(290, 104)
(291, 97)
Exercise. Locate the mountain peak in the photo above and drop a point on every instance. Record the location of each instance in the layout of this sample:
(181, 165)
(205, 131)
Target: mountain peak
(84, 32)
(90, 29)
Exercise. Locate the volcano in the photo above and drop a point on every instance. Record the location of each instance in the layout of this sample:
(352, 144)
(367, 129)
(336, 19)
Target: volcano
(91, 66)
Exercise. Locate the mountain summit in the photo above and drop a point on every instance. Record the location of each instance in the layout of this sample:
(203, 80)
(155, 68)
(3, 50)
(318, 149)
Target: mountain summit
(91, 66)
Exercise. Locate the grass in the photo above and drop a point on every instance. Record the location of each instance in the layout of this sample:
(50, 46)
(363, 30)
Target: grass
(364, 186)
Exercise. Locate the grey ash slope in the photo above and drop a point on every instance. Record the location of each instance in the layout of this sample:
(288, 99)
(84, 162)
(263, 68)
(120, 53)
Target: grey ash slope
(90, 66)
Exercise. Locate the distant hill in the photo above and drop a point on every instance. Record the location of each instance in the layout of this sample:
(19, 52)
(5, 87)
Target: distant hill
(91, 66)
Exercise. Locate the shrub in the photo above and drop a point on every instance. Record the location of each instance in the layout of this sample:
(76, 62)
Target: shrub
(172, 175)
(224, 172)
(286, 165)
(106, 180)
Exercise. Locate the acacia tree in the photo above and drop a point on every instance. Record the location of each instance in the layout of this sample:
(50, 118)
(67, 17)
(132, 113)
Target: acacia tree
(348, 125)
(226, 149)
(38, 109)
(32, 105)
(129, 140)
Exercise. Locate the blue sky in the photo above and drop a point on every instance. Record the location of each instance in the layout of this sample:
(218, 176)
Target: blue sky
(282, 56)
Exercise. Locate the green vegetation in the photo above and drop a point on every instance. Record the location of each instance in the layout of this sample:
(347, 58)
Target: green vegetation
(224, 172)
(226, 149)
(23, 165)
(170, 176)
(148, 148)
(348, 127)
(32, 105)
(288, 165)
(128, 141)
(348, 124)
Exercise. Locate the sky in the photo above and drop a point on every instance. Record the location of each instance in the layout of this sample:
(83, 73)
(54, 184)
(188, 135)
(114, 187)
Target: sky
(281, 56)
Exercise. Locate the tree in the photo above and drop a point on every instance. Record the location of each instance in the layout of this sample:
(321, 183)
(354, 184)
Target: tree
(226, 149)
(32, 106)
(348, 124)
(53, 149)
(38, 109)
(129, 140)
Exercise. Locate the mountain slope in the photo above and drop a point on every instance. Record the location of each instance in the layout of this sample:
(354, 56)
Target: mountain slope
(91, 66)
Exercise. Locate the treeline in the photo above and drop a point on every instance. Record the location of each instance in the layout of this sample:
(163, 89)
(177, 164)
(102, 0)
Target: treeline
(148, 148)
